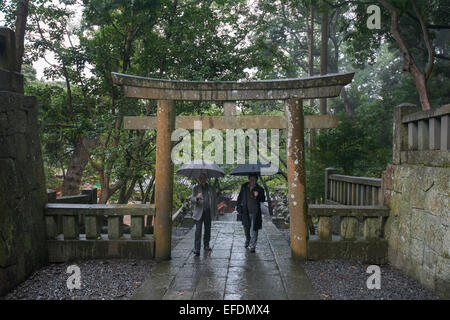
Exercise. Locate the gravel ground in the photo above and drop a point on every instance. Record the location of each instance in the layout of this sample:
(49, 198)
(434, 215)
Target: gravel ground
(100, 280)
(346, 280)
(114, 279)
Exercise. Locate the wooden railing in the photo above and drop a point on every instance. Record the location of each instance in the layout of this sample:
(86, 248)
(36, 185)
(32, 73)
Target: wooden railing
(88, 195)
(349, 190)
(421, 137)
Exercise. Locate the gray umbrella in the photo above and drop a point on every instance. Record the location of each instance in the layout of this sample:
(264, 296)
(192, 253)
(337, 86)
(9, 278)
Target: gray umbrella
(258, 168)
(194, 168)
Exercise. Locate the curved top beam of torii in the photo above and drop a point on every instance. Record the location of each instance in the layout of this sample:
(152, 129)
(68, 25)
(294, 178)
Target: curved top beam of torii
(325, 86)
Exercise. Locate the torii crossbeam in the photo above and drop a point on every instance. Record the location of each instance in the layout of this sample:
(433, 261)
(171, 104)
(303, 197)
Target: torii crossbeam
(290, 90)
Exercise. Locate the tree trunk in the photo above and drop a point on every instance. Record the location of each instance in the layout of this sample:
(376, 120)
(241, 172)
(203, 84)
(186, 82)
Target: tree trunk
(410, 65)
(347, 104)
(127, 191)
(149, 188)
(311, 69)
(77, 164)
(104, 196)
(334, 68)
(21, 24)
(311, 46)
(324, 54)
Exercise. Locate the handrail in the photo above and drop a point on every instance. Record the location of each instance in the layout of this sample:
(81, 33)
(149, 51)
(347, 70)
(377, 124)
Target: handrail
(74, 216)
(323, 210)
(350, 190)
(421, 137)
(353, 179)
(179, 211)
(427, 114)
(68, 209)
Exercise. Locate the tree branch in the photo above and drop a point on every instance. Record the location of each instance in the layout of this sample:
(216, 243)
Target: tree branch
(427, 41)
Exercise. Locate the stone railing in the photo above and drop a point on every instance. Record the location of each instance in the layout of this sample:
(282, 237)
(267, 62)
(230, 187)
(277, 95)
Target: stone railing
(349, 190)
(350, 223)
(87, 196)
(421, 137)
(370, 247)
(74, 229)
(92, 214)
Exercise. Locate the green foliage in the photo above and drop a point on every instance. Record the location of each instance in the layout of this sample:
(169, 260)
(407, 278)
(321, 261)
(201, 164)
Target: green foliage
(215, 40)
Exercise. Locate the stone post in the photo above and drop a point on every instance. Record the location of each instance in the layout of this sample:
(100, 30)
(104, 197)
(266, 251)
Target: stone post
(423, 135)
(348, 228)
(229, 108)
(400, 137)
(371, 228)
(92, 227)
(296, 177)
(412, 136)
(325, 228)
(137, 227)
(435, 133)
(92, 223)
(71, 228)
(115, 230)
(445, 132)
(164, 179)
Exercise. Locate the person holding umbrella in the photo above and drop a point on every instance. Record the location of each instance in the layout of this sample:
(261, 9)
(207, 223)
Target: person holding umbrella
(203, 199)
(249, 207)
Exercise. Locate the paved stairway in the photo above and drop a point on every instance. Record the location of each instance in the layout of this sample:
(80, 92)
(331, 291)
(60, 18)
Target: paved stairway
(230, 271)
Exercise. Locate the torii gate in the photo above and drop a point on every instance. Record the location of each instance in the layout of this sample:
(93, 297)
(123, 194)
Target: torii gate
(292, 91)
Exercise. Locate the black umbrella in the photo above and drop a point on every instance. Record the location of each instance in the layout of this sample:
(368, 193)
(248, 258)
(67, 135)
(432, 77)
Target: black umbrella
(194, 168)
(258, 168)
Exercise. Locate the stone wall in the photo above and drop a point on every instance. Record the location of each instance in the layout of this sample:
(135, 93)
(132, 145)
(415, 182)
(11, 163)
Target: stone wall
(22, 181)
(418, 228)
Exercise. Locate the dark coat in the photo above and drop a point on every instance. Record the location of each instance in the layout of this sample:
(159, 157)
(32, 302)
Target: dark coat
(242, 206)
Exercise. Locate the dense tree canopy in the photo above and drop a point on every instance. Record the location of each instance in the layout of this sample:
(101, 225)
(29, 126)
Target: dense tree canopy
(84, 41)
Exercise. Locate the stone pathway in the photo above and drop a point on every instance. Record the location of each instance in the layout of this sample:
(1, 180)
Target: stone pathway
(230, 271)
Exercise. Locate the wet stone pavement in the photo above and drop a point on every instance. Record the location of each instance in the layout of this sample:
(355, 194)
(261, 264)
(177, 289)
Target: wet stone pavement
(230, 271)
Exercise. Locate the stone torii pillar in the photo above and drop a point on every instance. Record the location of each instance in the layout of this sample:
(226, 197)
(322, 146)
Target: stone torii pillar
(164, 179)
(296, 177)
(292, 91)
